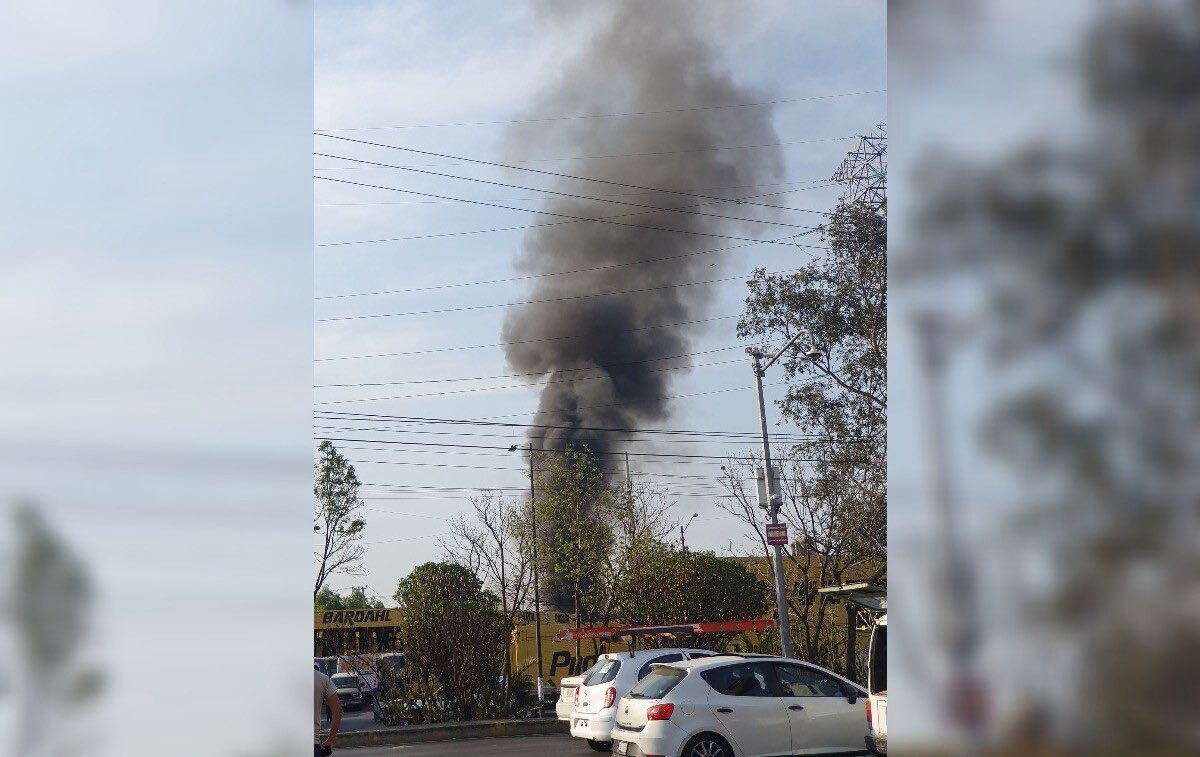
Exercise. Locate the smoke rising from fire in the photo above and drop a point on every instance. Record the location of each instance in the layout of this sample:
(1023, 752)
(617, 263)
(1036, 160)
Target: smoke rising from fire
(600, 357)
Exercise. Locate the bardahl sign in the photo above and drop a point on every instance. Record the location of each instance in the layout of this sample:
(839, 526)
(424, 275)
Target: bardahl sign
(777, 534)
(326, 619)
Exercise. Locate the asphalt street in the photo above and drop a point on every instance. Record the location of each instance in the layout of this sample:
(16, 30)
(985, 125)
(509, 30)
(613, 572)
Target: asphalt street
(543, 746)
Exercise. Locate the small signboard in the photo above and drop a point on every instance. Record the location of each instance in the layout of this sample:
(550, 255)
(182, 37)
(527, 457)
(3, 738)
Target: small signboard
(777, 534)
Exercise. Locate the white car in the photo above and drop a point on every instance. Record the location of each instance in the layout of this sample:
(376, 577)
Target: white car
(595, 698)
(740, 706)
(566, 695)
(877, 685)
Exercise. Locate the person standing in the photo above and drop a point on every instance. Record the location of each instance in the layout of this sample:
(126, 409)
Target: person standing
(325, 693)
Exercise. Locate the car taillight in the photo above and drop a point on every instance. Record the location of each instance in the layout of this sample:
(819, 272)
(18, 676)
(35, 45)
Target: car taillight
(610, 696)
(869, 724)
(577, 697)
(660, 712)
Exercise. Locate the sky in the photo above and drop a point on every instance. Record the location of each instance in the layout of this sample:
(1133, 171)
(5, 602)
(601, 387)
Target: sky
(156, 307)
(437, 70)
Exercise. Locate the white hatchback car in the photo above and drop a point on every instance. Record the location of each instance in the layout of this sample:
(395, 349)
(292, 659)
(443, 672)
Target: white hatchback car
(740, 706)
(595, 698)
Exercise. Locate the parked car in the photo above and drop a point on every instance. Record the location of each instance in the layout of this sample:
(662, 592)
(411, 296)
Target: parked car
(327, 665)
(595, 698)
(877, 686)
(740, 706)
(349, 690)
(566, 695)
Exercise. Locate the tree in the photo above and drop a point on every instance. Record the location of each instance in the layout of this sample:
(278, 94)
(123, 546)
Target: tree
(357, 599)
(455, 639)
(663, 586)
(829, 548)
(1077, 259)
(495, 545)
(575, 505)
(46, 606)
(841, 398)
(337, 507)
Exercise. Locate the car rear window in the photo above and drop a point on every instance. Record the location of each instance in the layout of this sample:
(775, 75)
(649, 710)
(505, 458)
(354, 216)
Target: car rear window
(657, 683)
(645, 670)
(603, 672)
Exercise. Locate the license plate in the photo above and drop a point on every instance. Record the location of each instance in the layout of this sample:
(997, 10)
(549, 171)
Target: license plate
(622, 747)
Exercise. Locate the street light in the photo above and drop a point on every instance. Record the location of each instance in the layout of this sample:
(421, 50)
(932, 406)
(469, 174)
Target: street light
(683, 532)
(812, 354)
(537, 597)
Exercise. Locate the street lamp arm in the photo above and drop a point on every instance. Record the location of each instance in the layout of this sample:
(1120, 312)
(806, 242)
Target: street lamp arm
(785, 347)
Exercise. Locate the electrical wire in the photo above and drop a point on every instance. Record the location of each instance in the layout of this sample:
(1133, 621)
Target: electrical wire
(556, 372)
(589, 295)
(524, 341)
(557, 174)
(590, 198)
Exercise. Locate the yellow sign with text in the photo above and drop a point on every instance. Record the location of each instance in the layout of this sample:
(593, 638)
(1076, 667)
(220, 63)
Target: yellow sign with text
(329, 620)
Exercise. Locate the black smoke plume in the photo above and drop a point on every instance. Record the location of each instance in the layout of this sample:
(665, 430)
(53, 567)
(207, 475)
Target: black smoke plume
(601, 356)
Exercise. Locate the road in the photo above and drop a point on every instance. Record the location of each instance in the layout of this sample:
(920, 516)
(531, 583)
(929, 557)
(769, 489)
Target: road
(542, 746)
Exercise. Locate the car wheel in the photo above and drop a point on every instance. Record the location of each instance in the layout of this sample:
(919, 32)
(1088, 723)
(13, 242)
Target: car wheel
(707, 745)
(600, 746)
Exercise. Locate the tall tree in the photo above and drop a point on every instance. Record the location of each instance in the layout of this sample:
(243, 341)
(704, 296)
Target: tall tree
(455, 638)
(660, 585)
(841, 398)
(494, 545)
(575, 506)
(337, 508)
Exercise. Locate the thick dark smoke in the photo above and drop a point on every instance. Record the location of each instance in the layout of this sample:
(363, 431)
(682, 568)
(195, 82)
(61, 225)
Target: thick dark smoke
(639, 56)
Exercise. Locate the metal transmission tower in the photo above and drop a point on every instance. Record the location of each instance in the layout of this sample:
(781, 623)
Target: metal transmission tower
(865, 169)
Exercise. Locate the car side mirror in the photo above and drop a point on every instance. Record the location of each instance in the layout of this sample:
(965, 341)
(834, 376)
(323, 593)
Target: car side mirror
(852, 698)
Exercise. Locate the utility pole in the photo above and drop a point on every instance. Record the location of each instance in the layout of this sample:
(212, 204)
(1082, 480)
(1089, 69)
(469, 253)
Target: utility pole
(628, 478)
(537, 592)
(773, 500)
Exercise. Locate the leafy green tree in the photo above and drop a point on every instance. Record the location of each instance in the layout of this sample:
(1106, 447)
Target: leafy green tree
(357, 599)
(46, 609)
(840, 398)
(575, 509)
(664, 586)
(455, 638)
(337, 508)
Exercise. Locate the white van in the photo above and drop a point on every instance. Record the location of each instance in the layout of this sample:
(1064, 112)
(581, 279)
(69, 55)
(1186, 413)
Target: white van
(877, 686)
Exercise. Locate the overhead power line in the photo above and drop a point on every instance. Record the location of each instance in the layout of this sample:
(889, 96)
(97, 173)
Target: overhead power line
(432, 420)
(505, 452)
(813, 184)
(557, 371)
(589, 295)
(558, 174)
(477, 390)
(526, 227)
(525, 341)
(536, 119)
(510, 437)
(590, 198)
(608, 266)
(533, 210)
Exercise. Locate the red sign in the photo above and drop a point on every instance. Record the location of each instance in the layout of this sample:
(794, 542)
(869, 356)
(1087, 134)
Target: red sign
(615, 632)
(777, 534)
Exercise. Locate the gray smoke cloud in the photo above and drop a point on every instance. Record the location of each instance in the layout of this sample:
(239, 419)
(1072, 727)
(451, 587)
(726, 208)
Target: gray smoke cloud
(600, 356)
